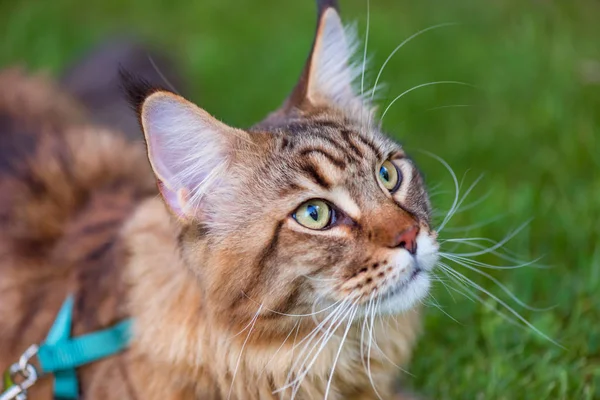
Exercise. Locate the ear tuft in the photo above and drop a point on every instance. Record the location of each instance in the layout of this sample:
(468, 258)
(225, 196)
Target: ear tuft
(322, 5)
(137, 89)
(330, 74)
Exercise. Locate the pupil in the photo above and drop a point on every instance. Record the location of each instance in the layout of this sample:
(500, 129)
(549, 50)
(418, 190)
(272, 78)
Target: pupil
(385, 174)
(313, 211)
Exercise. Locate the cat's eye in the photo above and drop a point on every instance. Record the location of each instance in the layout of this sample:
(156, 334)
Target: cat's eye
(314, 214)
(390, 176)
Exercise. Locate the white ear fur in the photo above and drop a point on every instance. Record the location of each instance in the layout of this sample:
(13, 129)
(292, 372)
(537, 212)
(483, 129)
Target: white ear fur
(188, 149)
(332, 73)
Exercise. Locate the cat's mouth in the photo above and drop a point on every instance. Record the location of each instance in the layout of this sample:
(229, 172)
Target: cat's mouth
(404, 294)
(404, 284)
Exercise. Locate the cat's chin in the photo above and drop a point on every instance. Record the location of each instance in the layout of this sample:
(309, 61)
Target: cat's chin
(407, 295)
(402, 297)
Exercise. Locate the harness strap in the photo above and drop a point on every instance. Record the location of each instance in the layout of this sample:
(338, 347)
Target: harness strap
(65, 381)
(60, 354)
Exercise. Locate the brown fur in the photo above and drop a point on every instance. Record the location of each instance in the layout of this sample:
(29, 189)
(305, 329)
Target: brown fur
(64, 201)
(221, 292)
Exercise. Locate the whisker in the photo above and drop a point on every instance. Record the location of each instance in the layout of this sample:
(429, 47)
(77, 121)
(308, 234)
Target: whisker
(310, 337)
(454, 179)
(472, 296)
(364, 63)
(478, 225)
(362, 334)
(293, 315)
(437, 278)
(507, 255)
(237, 364)
(319, 325)
(294, 328)
(504, 304)
(332, 316)
(323, 340)
(337, 356)
(484, 265)
(498, 245)
(386, 356)
(449, 106)
(456, 207)
(369, 354)
(249, 323)
(434, 305)
(402, 45)
(500, 285)
(162, 76)
(471, 205)
(418, 87)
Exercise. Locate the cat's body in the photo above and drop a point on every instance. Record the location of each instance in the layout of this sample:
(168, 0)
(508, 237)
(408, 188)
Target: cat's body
(87, 221)
(216, 316)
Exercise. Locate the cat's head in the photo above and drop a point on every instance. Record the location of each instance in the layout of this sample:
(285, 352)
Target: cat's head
(312, 207)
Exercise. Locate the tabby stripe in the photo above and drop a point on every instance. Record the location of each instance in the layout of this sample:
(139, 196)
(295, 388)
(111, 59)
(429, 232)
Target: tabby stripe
(99, 227)
(290, 188)
(303, 127)
(33, 304)
(286, 305)
(328, 124)
(327, 138)
(334, 160)
(357, 151)
(271, 382)
(65, 161)
(99, 251)
(370, 145)
(316, 176)
(270, 248)
(266, 253)
(318, 271)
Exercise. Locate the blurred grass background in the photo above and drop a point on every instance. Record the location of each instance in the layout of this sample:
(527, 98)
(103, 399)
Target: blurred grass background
(532, 126)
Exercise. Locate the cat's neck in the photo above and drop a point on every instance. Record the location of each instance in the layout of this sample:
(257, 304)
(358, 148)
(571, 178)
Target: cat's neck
(173, 328)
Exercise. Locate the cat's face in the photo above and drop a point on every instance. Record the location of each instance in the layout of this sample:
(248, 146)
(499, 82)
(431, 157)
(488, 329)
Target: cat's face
(312, 207)
(345, 213)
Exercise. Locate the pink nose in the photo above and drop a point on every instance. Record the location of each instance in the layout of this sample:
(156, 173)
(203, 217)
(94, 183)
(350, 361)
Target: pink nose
(407, 239)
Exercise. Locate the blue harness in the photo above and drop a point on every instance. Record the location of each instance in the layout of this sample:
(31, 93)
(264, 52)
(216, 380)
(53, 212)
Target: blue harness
(60, 354)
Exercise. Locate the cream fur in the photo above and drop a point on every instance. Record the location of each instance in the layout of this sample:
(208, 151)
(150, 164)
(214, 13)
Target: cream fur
(173, 328)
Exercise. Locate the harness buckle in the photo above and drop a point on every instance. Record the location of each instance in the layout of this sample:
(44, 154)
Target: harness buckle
(20, 376)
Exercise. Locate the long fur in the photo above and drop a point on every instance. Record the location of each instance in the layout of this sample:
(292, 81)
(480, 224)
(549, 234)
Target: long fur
(234, 299)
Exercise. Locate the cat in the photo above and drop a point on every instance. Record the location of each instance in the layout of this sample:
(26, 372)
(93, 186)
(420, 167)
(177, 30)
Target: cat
(253, 262)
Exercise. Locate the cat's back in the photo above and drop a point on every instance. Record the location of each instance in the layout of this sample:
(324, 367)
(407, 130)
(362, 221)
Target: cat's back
(66, 189)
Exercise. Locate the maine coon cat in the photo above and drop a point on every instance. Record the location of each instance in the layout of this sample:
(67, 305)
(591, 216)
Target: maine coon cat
(257, 272)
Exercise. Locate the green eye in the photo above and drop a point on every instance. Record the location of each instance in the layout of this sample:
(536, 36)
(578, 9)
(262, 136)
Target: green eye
(314, 214)
(389, 176)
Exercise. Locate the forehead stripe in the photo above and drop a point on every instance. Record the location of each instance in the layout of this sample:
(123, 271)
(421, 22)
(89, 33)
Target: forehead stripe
(355, 149)
(334, 160)
(315, 174)
(370, 145)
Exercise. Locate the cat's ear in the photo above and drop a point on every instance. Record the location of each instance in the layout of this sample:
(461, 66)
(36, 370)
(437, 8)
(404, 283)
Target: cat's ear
(189, 150)
(328, 76)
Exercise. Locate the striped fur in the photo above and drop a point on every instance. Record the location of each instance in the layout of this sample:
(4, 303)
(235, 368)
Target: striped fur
(221, 281)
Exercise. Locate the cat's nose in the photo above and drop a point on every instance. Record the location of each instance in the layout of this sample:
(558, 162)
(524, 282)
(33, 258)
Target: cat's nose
(407, 239)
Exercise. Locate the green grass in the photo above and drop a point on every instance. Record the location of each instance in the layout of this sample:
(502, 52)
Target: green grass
(533, 128)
